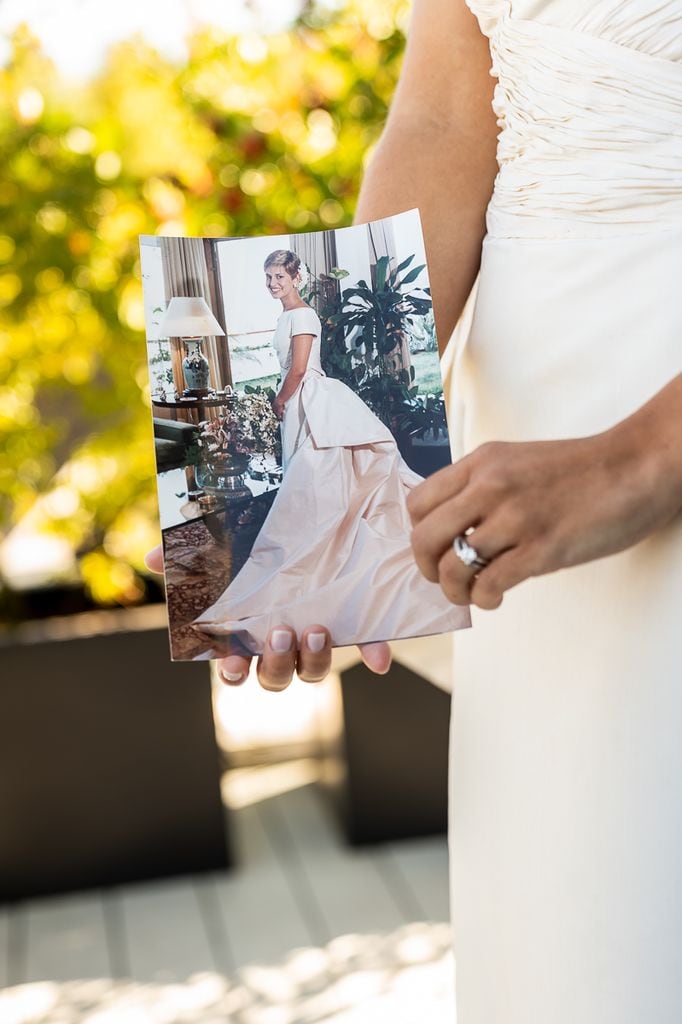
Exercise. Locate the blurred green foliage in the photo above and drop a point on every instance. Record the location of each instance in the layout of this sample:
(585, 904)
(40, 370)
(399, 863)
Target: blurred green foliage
(254, 134)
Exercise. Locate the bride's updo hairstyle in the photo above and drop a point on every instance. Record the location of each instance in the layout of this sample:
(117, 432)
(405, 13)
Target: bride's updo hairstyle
(284, 258)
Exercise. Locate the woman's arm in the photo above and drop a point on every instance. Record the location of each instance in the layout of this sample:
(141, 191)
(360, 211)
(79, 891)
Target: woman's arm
(301, 345)
(437, 151)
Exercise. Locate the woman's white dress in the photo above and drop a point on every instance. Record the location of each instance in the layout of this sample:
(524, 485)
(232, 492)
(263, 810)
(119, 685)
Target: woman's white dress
(566, 729)
(335, 546)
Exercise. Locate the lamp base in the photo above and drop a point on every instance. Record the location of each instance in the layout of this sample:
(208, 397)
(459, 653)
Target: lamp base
(195, 369)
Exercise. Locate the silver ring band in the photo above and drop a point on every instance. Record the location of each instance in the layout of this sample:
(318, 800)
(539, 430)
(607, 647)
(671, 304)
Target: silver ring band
(468, 554)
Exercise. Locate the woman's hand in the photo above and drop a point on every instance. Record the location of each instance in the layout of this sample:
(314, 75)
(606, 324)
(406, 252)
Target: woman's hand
(281, 658)
(541, 506)
(278, 407)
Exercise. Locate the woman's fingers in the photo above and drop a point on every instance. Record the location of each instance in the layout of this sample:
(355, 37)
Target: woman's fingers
(503, 573)
(376, 656)
(311, 662)
(455, 577)
(154, 559)
(277, 663)
(433, 536)
(281, 659)
(234, 669)
(315, 655)
(437, 488)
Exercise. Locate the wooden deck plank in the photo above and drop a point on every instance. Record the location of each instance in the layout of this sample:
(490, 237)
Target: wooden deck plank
(4, 947)
(423, 864)
(16, 944)
(117, 942)
(206, 891)
(164, 930)
(348, 884)
(65, 938)
(263, 915)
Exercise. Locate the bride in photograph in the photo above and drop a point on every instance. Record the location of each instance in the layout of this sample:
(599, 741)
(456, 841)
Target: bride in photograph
(335, 546)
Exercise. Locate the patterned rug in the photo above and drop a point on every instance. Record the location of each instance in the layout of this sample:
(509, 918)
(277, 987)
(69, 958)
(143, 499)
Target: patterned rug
(197, 572)
(198, 569)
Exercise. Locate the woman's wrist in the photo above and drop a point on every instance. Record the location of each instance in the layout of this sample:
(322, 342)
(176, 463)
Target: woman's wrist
(291, 382)
(646, 450)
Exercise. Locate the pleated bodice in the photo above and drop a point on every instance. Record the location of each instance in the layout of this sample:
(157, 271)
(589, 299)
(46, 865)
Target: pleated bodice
(589, 106)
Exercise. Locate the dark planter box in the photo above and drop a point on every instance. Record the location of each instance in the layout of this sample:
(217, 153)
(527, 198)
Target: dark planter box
(393, 757)
(109, 768)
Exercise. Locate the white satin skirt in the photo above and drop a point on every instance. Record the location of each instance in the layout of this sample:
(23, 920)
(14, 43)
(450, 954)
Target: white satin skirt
(566, 730)
(334, 549)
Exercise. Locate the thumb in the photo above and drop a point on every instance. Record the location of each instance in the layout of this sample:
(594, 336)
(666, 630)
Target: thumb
(376, 656)
(154, 559)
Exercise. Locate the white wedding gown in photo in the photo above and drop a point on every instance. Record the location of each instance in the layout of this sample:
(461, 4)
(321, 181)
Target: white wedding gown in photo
(335, 547)
(566, 730)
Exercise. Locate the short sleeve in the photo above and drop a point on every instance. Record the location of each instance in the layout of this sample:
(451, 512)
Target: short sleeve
(304, 320)
(489, 13)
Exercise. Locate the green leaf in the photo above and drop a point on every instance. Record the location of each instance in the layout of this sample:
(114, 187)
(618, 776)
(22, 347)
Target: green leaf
(413, 275)
(404, 264)
(381, 269)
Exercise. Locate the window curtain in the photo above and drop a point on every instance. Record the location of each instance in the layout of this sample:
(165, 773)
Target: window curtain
(381, 242)
(185, 273)
(318, 251)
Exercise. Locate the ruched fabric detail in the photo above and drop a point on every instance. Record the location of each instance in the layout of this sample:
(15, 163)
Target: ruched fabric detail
(651, 26)
(590, 140)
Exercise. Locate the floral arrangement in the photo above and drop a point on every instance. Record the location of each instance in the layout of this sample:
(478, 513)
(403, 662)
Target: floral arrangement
(255, 405)
(225, 435)
(249, 426)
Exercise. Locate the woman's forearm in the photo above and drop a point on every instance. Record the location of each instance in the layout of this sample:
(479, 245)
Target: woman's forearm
(289, 385)
(448, 173)
(653, 433)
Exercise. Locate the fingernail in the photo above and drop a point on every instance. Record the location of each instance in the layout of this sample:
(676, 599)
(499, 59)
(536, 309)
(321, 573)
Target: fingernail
(280, 641)
(315, 642)
(232, 677)
(377, 663)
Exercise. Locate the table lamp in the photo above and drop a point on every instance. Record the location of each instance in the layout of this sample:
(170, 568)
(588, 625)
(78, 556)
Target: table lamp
(190, 319)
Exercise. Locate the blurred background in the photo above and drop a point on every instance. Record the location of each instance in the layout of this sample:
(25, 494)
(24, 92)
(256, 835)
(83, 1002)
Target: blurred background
(177, 118)
(162, 835)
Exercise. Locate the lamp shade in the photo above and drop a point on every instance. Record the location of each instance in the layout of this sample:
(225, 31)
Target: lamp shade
(188, 317)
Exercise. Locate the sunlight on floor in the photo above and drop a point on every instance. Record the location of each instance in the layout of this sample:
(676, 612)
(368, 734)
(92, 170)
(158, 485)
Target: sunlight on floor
(405, 977)
(243, 786)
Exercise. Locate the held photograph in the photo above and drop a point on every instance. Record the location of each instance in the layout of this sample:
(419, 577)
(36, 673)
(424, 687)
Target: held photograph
(297, 399)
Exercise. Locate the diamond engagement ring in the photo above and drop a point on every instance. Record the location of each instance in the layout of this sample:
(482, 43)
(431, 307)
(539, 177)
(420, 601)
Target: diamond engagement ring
(468, 554)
